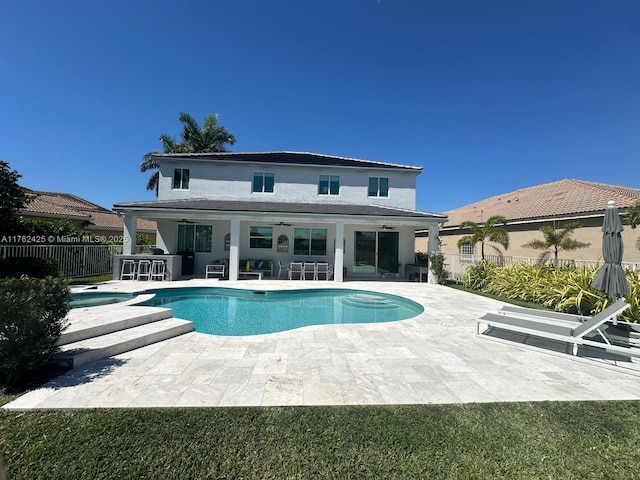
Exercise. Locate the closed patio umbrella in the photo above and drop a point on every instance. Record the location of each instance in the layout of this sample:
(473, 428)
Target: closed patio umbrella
(611, 279)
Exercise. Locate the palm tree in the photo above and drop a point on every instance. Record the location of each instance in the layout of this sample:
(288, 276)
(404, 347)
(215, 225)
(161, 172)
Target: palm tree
(487, 231)
(210, 138)
(556, 240)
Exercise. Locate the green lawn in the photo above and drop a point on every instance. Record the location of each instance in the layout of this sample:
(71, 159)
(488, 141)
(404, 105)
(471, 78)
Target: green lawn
(91, 280)
(578, 440)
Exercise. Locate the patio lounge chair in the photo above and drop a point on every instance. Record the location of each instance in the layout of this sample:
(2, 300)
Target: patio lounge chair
(567, 331)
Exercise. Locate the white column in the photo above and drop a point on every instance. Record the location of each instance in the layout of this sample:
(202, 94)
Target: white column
(433, 244)
(433, 247)
(339, 254)
(234, 249)
(129, 234)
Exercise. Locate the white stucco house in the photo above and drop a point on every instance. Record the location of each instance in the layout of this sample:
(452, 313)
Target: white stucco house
(358, 215)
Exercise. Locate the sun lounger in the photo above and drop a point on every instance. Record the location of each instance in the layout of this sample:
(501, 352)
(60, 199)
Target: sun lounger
(514, 311)
(573, 334)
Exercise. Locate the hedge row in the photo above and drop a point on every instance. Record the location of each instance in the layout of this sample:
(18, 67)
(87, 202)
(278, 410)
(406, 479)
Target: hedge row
(564, 290)
(35, 267)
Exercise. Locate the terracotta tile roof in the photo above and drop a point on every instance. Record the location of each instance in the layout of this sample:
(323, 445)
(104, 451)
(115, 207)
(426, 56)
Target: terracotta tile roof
(562, 198)
(66, 205)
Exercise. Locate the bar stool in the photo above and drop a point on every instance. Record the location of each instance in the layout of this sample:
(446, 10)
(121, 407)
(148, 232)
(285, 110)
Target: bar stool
(144, 270)
(158, 269)
(128, 271)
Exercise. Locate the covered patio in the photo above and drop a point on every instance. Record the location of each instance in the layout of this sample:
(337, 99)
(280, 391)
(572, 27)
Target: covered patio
(364, 242)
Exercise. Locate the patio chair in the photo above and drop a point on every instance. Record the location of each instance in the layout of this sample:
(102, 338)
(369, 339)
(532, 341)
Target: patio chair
(324, 271)
(214, 270)
(309, 268)
(569, 332)
(128, 270)
(548, 315)
(158, 270)
(295, 268)
(282, 268)
(144, 270)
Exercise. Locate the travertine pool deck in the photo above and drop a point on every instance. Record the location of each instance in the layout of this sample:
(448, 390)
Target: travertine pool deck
(433, 358)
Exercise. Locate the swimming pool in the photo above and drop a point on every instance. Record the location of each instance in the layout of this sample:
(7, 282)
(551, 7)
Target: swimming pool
(227, 311)
(94, 299)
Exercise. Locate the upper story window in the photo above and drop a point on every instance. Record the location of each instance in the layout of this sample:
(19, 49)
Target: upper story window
(260, 237)
(181, 179)
(262, 182)
(329, 185)
(378, 187)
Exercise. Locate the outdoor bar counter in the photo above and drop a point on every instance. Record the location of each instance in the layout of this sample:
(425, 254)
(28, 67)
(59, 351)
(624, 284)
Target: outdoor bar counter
(173, 264)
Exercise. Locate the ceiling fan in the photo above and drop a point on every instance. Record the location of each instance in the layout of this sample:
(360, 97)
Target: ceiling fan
(387, 227)
(184, 220)
(282, 224)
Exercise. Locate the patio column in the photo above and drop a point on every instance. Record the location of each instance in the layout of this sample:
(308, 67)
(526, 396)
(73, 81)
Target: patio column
(339, 254)
(129, 234)
(433, 247)
(234, 249)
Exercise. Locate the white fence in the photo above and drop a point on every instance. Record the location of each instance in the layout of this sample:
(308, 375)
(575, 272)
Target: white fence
(456, 264)
(74, 260)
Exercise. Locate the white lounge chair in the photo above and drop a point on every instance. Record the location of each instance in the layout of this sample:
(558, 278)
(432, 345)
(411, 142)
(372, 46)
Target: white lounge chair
(571, 332)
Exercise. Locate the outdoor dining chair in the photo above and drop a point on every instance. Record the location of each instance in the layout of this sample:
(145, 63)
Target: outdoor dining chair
(295, 268)
(309, 268)
(324, 271)
(282, 268)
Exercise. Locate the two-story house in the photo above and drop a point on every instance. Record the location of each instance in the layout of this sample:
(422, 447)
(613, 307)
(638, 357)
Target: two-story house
(358, 215)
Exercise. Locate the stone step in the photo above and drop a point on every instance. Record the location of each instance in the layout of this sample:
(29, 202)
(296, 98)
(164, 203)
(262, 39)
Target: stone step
(91, 349)
(108, 319)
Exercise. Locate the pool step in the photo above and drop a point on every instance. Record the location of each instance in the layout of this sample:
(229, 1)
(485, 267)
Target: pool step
(113, 343)
(89, 323)
(366, 300)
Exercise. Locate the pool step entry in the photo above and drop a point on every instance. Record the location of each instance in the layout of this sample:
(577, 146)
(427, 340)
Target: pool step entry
(90, 337)
(367, 300)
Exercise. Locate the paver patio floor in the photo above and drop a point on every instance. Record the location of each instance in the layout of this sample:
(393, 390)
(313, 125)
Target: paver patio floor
(432, 358)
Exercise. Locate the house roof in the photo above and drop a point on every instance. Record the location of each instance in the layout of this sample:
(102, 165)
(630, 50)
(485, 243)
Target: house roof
(66, 205)
(323, 209)
(564, 198)
(288, 158)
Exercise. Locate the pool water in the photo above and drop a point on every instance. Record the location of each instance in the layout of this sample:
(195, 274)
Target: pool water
(226, 311)
(94, 299)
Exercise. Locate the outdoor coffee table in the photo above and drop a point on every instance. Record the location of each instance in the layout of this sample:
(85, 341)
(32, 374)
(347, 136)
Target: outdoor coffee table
(247, 274)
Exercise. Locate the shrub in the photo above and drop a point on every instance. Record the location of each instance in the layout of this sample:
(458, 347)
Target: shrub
(31, 322)
(436, 264)
(478, 276)
(35, 267)
(565, 289)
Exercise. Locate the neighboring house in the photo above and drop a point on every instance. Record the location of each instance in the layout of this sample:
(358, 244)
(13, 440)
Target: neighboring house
(528, 209)
(358, 215)
(82, 214)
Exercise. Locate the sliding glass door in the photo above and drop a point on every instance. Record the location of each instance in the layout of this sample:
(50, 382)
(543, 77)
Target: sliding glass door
(376, 252)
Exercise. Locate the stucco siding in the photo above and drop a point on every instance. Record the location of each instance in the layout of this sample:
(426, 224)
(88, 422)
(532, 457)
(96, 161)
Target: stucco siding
(296, 184)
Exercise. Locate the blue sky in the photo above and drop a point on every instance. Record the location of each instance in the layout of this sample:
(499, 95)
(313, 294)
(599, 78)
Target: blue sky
(488, 96)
